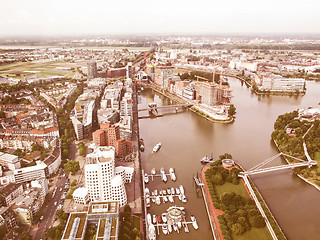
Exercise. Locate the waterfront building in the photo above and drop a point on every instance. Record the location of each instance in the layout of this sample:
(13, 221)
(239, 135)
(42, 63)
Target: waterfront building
(208, 93)
(273, 83)
(126, 105)
(166, 75)
(100, 178)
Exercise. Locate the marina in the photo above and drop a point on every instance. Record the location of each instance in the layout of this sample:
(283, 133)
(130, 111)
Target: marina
(161, 174)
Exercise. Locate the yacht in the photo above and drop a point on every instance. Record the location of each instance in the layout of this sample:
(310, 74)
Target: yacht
(194, 222)
(164, 177)
(149, 218)
(172, 174)
(177, 190)
(175, 227)
(153, 171)
(156, 192)
(147, 202)
(154, 219)
(164, 217)
(172, 191)
(170, 228)
(165, 199)
(158, 200)
(152, 232)
(206, 159)
(165, 229)
(169, 191)
(146, 178)
(162, 170)
(146, 192)
(170, 197)
(141, 145)
(156, 147)
(181, 189)
(164, 192)
(179, 224)
(184, 198)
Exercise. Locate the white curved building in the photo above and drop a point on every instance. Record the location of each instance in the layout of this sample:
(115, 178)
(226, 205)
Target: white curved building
(103, 182)
(118, 190)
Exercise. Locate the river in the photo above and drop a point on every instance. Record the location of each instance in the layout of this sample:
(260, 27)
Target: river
(187, 137)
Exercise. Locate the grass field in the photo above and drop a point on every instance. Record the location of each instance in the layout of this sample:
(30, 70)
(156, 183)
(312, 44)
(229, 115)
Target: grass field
(317, 156)
(229, 187)
(254, 234)
(44, 69)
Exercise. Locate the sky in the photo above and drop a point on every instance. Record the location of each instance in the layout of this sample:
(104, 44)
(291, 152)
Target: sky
(77, 17)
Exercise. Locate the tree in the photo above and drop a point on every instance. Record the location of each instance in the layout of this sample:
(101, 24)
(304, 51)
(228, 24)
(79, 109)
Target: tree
(3, 231)
(72, 166)
(232, 110)
(217, 179)
(2, 114)
(237, 229)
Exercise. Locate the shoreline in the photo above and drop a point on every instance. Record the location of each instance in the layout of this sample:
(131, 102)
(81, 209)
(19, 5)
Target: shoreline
(176, 98)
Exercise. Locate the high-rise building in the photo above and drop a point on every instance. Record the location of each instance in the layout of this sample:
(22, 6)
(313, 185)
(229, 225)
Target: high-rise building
(92, 70)
(100, 178)
(208, 93)
(129, 70)
(166, 75)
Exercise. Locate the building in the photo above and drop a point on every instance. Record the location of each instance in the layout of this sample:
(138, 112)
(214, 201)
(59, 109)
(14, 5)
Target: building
(105, 215)
(31, 173)
(100, 178)
(166, 75)
(9, 161)
(92, 70)
(8, 218)
(9, 192)
(129, 70)
(208, 93)
(80, 195)
(282, 84)
(126, 105)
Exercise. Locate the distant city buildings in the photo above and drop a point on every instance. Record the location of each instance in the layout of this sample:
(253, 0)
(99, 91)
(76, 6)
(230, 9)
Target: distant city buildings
(92, 70)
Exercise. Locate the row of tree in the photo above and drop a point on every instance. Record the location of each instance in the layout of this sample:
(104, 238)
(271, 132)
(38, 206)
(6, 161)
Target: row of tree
(127, 230)
(55, 233)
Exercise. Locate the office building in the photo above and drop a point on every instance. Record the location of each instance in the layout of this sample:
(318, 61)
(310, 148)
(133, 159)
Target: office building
(92, 70)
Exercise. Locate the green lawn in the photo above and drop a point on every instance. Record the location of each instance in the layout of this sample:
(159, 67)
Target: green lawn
(317, 156)
(254, 234)
(136, 222)
(229, 187)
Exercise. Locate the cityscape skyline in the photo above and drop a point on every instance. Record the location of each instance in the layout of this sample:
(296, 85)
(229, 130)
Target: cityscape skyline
(37, 18)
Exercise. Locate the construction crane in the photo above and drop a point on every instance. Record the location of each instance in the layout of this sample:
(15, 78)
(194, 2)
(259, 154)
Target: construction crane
(197, 94)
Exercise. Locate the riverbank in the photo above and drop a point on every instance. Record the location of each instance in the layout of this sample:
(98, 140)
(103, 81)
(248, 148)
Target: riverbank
(180, 100)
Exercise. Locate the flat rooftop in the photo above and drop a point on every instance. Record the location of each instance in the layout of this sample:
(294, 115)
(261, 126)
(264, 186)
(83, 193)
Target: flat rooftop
(103, 207)
(72, 217)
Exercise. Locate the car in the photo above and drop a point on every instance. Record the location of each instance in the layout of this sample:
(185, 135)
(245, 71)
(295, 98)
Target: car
(60, 189)
(41, 218)
(55, 203)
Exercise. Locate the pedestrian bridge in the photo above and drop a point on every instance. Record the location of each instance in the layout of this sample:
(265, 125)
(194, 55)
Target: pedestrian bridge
(154, 107)
(258, 169)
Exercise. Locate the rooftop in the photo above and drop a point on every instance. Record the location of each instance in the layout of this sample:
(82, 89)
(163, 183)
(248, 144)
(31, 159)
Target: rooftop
(103, 207)
(72, 217)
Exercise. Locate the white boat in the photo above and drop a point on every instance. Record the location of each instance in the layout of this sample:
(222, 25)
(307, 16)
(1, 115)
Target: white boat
(156, 192)
(165, 229)
(153, 171)
(186, 229)
(149, 219)
(154, 219)
(158, 200)
(164, 192)
(164, 177)
(184, 198)
(165, 199)
(194, 222)
(162, 170)
(181, 189)
(169, 228)
(175, 227)
(151, 232)
(160, 192)
(153, 198)
(179, 224)
(169, 191)
(164, 217)
(147, 202)
(146, 178)
(146, 192)
(171, 198)
(173, 191)
(172, 174)
(177, 190)
(156, 147)
(180, 197)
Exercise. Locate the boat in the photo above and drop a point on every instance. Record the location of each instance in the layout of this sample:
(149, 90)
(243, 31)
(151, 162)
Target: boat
(175, 227)
(165, 199)
(147, 202)
(172, 174)
(179, 224)
(184, 198)
(164, 177)
(177, 190)
(164, 217)
(170, 197)
(194, 222)
(186, 229)
(146, 178)
(156, 192)
(172, 191)
(160, 192)
(159, 219)
(206, 159)
(169, 191)
(153, 198)
(156, 147)
(158, 200)
(164, 192)
(149, 218)
(180, 197)
(181, 189)
(165, 229)
(154, 219)
(151, 232)
(153, 171)
(162, 170)
(141, 145)
(146, 192)
(169, 228)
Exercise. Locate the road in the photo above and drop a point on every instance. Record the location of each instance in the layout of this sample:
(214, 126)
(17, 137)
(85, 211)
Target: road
(49, 209)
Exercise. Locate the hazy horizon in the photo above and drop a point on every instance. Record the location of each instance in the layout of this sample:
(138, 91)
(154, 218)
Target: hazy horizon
(68, 18)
